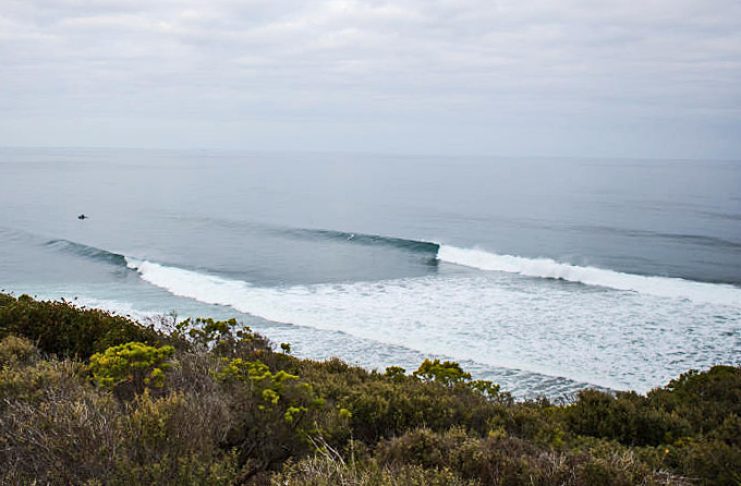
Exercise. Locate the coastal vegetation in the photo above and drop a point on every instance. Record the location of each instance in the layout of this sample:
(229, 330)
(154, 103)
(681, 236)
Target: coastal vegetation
(90, 398)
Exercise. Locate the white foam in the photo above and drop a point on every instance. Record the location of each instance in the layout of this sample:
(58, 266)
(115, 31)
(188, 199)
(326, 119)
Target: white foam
(125, 309)
(186, 283)
(615, 339)
(547, 268)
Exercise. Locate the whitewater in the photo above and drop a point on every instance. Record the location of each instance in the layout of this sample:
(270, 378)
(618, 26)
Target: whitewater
(538, 324)
(548, 268)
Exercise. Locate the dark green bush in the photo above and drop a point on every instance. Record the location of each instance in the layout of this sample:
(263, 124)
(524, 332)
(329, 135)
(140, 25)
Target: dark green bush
(704, 399)
(65, 330)
(384, 405)
(708, 462)
(225, 338)
(6, 299)
(626, 417)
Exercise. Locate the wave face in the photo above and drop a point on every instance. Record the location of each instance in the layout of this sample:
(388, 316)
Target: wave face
(492, 318)
(546, 268)
(86, 251)
(367, 239)
(327, 235)
(551, 269)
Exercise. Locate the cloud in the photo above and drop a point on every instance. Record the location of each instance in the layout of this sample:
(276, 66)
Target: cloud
(546, 74)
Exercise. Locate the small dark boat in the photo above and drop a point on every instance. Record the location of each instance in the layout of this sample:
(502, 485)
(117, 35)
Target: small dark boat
(82, 216)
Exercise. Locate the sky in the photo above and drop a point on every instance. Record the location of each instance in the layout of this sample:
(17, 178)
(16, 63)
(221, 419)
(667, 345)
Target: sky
(654, 79)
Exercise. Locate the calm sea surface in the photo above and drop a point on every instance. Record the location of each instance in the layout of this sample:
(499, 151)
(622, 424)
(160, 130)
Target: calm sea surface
(545, 275)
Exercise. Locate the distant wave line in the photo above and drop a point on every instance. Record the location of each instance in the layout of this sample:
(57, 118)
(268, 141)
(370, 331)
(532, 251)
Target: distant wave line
(700, 240)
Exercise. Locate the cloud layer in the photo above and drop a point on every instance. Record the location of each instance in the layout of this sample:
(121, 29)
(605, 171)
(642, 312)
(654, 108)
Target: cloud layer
(575, 77)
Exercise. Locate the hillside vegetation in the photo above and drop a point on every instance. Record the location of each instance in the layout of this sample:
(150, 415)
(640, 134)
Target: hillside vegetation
(90, 398)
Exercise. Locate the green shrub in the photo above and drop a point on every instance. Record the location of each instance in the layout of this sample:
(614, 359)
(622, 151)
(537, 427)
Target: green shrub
(704, 399)
(63, 329)
(706, 461)
(224, 338)
(626, 417)
(448, 372)
(729, 431)
(396, 373)
(6, 299)
(385, 405)
(275, 414)
(536, 421)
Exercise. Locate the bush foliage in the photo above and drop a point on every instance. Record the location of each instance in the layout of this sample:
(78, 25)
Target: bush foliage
(65, 330)
(133, 365)
(211, 402)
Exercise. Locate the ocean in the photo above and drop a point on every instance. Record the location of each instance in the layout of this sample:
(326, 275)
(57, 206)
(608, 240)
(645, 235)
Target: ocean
(544, 275)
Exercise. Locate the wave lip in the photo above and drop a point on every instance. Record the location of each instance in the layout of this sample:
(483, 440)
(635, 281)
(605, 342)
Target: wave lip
(366, 239)
(88, 251)
(547, 268)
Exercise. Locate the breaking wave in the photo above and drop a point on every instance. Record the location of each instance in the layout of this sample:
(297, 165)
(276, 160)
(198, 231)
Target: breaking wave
(546, 268)
(345, 308)
(365, 239)
(551, 269)
(490, 318)
(87, 251)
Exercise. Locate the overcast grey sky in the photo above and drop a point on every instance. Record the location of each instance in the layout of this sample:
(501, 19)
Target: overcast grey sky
(651, 78)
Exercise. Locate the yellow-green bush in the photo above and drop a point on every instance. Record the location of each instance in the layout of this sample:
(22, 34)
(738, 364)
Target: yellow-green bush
(130, 368)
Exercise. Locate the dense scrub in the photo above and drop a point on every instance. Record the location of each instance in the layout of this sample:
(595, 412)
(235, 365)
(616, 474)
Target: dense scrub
(91, 398)
(61, 329)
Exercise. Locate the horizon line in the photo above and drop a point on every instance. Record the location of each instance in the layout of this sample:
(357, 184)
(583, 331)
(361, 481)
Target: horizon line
(444, 155)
